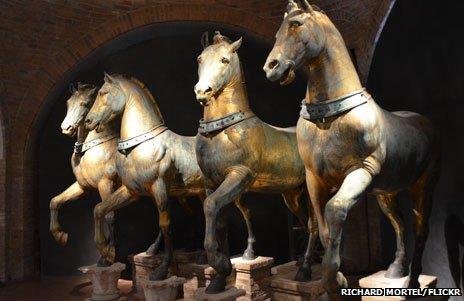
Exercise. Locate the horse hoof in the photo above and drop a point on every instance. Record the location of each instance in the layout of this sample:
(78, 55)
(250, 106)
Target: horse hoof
(249, 254)
(61, 237)
(160, 273)
(152, 250)
(303, 274)
(102, 262)
(396, 270)
(412, 283)
(341, 281)
(217, 285)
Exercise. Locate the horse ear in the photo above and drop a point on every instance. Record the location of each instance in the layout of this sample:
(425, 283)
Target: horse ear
(109, 78)
(79, 86)
(306, 6)
(72, 89)
(92, 90)
(236, 45)
(205, 39)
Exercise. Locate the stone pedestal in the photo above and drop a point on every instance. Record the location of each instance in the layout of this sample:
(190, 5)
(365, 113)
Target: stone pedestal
(282, 285)
(230, 294)
(250, 276)
(378, 280)
(143, 265)
(104, 280)
(165, 290)
(199, 276)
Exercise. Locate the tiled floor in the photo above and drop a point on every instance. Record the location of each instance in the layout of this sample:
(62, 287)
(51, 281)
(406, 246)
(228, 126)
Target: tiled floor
(74, 288)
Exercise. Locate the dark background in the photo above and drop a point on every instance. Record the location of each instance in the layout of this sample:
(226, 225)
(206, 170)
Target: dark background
(417, 66)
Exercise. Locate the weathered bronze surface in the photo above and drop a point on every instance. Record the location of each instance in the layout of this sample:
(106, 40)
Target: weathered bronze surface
(94, 166)
(365, 149)
(162, 166)
(240, 156)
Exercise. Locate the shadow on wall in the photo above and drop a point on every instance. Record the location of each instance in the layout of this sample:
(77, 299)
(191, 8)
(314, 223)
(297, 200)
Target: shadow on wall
(454, 236)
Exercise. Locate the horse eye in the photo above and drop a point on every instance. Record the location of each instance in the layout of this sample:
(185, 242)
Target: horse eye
(199, 59)
(225, 60)
(102, 93)
(295, 23)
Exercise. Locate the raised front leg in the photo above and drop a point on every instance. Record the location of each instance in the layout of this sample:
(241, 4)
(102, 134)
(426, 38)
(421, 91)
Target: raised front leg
(120, 198)
(336, 212)
(160, 190)
(235, 183)
(399, 267)
(71, 193)
(249, 253)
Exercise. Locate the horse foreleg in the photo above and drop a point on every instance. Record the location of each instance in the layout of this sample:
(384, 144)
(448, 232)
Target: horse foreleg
(249, 253)
(398, 268)
(120, 198)
(159, 191)
(71, 193)
(105, 189)
(336, 211)
(235, 183)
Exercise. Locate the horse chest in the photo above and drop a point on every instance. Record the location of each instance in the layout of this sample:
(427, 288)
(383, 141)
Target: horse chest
(88, 169)
(218, 153)
(331, 150)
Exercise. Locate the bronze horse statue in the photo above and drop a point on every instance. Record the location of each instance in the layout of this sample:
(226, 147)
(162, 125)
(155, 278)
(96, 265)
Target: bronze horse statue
(93, 160)
(349, 144)
(152, 160)
(237, 152)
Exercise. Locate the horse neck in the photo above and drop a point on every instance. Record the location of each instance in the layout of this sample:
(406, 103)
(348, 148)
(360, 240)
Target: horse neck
(109, 129)
(141, 114)
(233, 98)
(332, 74)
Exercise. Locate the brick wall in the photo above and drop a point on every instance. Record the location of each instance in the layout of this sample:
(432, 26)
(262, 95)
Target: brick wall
(41, 41)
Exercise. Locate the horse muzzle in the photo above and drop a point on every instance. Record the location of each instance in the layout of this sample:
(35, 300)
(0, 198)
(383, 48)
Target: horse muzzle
(277, 70)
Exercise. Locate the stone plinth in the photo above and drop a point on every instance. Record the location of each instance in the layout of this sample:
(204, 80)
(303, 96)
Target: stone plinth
(199, 276)
(230, 294)
(104, 280)
(165, 290)
(282, 285)
(143, 264)
(250, 276)
(378, 280)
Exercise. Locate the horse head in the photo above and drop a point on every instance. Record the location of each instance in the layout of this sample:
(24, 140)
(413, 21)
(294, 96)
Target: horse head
(218, 66)
(78, 105)
(301, 37)
(109, 103)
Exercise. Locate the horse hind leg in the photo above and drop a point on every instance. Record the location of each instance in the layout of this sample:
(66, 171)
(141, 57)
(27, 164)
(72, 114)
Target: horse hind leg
(398, 268)
(249, 253)
(422, 197)
(292, 199)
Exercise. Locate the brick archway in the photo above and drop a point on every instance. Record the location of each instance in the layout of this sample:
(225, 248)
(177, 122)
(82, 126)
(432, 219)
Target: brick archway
(22, 240)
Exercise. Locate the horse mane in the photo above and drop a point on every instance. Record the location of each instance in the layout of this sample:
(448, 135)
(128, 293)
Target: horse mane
(144, 88)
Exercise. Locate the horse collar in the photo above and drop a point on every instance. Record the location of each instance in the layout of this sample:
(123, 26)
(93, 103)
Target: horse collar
(207, 127)
(124, 145)
(81, 147)
(333, 107)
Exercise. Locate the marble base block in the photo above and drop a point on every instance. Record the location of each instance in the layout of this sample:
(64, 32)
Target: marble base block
(199, 276)
(378, 280)
(230, 294)
(143, 265)
(165, 290)
(104, 280)
(250, 276)
(283, 287)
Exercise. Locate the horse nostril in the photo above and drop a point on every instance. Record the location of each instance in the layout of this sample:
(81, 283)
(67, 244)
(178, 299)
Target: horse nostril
(87, 121)
(273, 64)
(209, 90)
